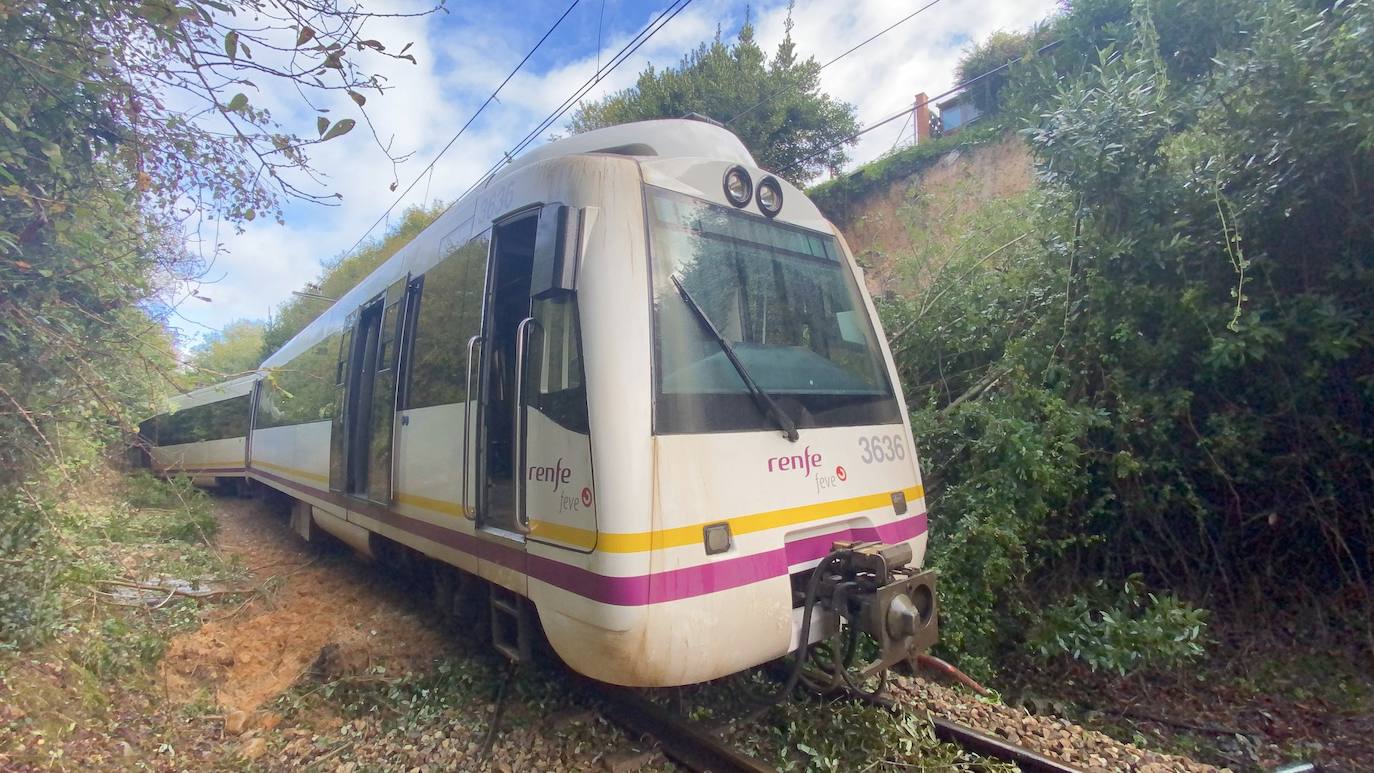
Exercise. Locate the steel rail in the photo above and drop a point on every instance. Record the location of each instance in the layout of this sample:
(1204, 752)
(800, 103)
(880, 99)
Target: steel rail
(988, 745)
(681, 740)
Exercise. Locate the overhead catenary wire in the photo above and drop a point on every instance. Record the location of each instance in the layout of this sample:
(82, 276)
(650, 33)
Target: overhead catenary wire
(854, 48)
(430, 167)
(626, 51)
(906, 111)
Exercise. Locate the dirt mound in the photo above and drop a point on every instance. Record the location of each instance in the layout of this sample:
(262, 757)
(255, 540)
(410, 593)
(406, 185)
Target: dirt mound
(313, 612)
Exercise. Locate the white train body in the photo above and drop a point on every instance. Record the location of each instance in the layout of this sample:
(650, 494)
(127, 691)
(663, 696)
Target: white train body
(204, 433)
(594, 498)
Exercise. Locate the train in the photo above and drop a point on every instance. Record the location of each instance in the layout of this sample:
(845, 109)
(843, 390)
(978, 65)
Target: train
(633, 389)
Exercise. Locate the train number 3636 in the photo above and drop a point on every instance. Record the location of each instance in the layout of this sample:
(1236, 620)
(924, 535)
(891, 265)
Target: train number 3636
(882, 448)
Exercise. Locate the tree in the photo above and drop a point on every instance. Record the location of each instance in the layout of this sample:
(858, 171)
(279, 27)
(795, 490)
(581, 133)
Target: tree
(986, 56)
(234, 350)
(775, 107)
(124, 125)
(340, 275)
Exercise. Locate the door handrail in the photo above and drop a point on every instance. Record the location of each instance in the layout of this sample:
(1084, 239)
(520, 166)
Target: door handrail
(469, 513)
(522, 521)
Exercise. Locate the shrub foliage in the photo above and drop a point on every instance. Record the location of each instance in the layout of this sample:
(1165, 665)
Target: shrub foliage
(1171, 376)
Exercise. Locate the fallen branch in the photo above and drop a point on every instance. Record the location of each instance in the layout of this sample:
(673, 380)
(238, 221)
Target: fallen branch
(986, 383)
(935, 664)
(190, 594)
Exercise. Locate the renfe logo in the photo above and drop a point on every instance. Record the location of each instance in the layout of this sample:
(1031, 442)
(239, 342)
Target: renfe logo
(807, 460)
(557, 475)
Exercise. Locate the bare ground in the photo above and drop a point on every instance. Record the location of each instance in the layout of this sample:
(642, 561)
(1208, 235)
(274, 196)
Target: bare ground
(321, 608)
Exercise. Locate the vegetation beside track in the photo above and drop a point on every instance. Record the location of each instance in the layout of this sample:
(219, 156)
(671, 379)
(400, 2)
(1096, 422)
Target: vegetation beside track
(1142, 390)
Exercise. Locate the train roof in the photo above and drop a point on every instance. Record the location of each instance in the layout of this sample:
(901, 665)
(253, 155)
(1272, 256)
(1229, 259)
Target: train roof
(224, 390)
(669, 138)
(646, 142)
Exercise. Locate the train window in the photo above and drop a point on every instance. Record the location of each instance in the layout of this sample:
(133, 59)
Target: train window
(302, 390)
(786, 302)
(230, 418)
(212, 421)
(450, 312)
(557, 353)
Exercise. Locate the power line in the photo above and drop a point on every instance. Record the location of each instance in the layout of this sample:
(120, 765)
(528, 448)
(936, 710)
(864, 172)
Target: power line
(908, 110)
(464, 128)
(628, 50)
(870, 39)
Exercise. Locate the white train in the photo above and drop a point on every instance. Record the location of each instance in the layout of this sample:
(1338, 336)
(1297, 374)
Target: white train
(635, 384)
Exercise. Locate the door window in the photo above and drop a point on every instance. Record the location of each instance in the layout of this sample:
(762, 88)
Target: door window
(450, 312)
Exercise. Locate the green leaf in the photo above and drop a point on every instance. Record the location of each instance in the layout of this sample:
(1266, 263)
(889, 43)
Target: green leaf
(321, 124)
(52, 151)
(14, 128)
(341, 128)
(158, 11)
(231, 44)
(239, 102)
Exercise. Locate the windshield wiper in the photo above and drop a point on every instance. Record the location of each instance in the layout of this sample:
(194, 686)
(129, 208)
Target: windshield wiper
(761, 398)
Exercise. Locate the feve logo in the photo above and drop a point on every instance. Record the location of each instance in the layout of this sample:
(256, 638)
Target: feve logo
(806, 461)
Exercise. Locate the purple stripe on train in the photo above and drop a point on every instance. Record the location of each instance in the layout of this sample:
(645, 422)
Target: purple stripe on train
(638, 590)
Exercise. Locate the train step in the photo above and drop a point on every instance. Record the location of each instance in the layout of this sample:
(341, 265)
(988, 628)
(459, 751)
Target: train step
(511, 624)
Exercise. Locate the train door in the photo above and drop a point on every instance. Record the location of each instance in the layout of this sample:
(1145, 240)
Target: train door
(535, 449)
(507, 308)
(556, 495)
(365, 411)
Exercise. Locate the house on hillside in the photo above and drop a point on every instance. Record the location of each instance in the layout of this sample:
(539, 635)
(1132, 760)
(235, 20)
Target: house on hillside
(954, 114)
(957, 112)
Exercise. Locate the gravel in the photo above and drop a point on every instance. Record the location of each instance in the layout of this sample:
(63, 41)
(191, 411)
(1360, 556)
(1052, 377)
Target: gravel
(1051, 736)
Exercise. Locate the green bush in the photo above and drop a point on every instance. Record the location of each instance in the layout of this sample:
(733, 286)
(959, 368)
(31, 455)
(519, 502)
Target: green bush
(29, 571)
(1135, 632)
(1172, 375)
(184, 512)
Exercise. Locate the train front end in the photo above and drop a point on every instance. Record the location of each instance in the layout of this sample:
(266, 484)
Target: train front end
(785, 503)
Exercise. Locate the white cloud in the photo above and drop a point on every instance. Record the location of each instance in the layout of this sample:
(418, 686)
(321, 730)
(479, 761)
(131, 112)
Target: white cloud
(457, 68)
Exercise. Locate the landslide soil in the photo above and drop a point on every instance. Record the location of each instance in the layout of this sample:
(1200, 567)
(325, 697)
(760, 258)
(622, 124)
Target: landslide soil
(316, 610)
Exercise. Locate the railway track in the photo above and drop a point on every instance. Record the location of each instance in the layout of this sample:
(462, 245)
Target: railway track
(681, 740)
(704, 750)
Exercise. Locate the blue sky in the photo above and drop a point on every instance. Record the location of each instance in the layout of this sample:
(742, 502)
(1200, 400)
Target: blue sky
(465, 52)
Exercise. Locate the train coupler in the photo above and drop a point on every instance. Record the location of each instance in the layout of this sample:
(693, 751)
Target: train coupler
(874, 587)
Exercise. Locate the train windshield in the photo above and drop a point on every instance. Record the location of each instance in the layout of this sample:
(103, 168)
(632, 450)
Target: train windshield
(787, 304)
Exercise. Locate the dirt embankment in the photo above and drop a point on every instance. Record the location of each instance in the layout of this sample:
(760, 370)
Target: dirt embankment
(312, 613)
(902, 233)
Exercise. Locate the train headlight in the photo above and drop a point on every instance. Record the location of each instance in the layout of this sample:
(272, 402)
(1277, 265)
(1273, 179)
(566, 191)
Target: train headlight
(738, 187)
(717, 538)
(770, 196)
